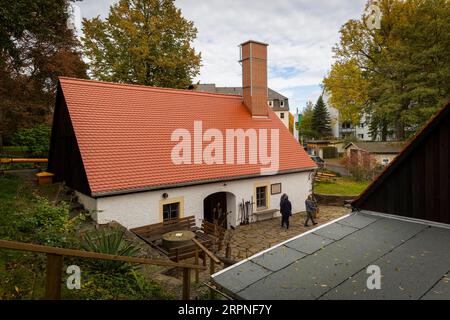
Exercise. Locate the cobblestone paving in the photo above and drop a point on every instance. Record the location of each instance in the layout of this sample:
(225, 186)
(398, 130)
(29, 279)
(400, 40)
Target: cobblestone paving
(253, 238)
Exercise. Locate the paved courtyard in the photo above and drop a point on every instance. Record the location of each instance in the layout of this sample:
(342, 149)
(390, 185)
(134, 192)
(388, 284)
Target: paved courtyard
(250, 239)
(246, 241)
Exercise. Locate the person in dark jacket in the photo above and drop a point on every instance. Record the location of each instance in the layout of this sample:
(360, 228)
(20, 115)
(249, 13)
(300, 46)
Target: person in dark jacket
(286, 210)
(311, 208)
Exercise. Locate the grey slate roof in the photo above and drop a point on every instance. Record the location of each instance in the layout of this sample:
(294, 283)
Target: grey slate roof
(211, 88)
(379, 147)
(331, 263)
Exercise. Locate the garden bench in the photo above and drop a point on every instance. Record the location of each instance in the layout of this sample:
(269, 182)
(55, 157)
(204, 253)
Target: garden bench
(265, 214)
(154, 232)
(325, 177)
(208, 235)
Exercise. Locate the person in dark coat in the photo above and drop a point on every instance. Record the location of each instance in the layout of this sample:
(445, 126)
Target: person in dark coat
(286, 210)
(311, 208)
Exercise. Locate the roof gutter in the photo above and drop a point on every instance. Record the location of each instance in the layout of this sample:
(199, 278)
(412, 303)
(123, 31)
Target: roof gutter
(192, 183)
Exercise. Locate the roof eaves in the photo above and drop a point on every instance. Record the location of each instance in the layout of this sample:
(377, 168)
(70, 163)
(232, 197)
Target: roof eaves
(190, 183)
(349, 144)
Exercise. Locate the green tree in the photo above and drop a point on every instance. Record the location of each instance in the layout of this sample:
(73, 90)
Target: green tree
(402, 70)
(306, 128)
(144, 42)
(320, 121)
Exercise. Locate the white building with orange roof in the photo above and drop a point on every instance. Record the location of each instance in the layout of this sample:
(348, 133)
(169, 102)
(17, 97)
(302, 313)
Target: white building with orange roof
(116, 147)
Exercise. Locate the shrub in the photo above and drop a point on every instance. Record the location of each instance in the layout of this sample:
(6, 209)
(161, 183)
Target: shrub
(109, 242)
(35, 139)
(48, 223)
(104, 286)
(361, 170)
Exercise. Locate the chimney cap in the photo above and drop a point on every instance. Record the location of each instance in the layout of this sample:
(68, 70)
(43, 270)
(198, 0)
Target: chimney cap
(253, 41)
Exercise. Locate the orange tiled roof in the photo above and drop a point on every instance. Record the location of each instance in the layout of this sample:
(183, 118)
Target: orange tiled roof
(124, 134)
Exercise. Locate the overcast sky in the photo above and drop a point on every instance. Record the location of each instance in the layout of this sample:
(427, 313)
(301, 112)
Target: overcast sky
(300, 34)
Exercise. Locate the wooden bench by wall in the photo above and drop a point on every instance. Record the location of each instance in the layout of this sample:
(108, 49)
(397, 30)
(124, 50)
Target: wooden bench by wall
(264, 214)
(155, 231)
(208, 235)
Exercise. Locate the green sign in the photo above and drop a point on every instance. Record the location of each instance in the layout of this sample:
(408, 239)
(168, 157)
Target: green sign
(299, 120)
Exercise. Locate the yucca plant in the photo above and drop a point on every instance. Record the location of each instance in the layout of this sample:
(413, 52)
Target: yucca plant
(109, 242)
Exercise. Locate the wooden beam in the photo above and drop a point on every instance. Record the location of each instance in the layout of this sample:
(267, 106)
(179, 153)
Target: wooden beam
(212, 266)
(23, 160)
(93, 255)
(211, 272)
(186, 283)
(53, 280)
(196, 262)
(205, 250)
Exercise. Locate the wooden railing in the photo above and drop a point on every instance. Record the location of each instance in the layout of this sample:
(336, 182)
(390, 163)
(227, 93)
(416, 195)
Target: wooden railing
(55, 259)
(212, 262)
(23, 160)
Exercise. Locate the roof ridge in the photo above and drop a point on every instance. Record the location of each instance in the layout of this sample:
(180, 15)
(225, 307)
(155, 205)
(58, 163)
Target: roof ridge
(145, 88)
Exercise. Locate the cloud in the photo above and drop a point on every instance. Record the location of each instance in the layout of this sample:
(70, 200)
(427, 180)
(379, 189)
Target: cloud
(300, 34)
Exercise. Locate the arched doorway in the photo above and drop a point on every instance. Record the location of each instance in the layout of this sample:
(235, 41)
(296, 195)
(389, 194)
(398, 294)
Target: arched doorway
(218, 208)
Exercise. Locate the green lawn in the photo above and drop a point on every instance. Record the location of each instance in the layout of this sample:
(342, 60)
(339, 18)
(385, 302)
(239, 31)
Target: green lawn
(342, 186)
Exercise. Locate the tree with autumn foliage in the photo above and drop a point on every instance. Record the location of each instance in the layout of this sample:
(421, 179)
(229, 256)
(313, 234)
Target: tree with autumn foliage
(398, 75)
(36, 47)
(144, 42)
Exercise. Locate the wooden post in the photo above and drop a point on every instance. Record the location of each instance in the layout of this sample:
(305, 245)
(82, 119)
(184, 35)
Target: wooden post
(196, 262)
(186, 283)
(53, 280)
(211, 266)
(228, 251)
(211, 271)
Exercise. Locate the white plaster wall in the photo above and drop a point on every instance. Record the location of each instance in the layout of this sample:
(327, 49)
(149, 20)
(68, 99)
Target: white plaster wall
(334, 115)
(365, 130)
(88, 203)
(285, 120)
(139, 209)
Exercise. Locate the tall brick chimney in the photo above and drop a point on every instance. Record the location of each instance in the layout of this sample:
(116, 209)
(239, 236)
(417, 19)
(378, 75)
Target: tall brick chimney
(254, 77)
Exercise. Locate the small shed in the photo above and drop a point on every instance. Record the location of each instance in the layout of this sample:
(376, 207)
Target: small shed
(326, 149)
(373, 152)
